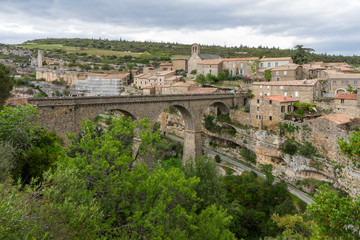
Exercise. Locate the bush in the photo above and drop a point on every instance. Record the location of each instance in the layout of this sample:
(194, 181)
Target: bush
(248, 155)
(193, 72)
(217, 158)
(290, 146)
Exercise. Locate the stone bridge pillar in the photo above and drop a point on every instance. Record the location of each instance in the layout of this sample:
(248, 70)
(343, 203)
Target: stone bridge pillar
(192, 145)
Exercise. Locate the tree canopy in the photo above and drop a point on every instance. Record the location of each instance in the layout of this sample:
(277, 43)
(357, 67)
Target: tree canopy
(6, 84)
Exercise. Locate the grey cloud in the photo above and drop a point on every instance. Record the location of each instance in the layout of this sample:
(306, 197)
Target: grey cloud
(321, 21)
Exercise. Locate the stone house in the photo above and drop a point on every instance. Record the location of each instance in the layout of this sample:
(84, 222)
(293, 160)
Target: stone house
(209, 66)
(269, 63)
(304, 90)
(166, 67)
(180, 64)
(269, 110)
(338, 82)
(240, 66)
(287, 73)
(347, 103)
(313, 70)
(155, 78)
(175, 88)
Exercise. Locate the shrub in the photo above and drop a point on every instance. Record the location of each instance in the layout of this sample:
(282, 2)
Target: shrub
(290, 146)
(217, 158)
(248, 155)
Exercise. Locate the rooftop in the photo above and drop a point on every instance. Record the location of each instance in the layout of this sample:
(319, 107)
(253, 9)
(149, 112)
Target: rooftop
(276, 59)
(310, 82)
(240, 59)
(286, 67)
(338, 118)
(166, 64)
(209, 56)
(349, 96)
(282, 98)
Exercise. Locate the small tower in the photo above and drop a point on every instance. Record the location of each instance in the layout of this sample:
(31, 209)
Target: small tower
(195, 49)
(40, 58)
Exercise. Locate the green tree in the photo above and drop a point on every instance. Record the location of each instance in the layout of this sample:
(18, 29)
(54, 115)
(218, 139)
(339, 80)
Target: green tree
(35, 149)
(144, 203)
(210, 188)
(337, 217)
(200, 79)
(221, 76)
(267, 75)
(6, 84)
(351, 147)
(302, 55)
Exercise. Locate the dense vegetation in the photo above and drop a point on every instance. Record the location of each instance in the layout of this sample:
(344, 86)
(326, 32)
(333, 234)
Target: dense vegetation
(101, 188)
(171, 49)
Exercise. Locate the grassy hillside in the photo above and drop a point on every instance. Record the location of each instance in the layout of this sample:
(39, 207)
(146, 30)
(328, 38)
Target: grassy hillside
(121, 51)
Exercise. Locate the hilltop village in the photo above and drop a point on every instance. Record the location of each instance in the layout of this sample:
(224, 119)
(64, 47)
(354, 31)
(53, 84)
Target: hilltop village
(292, 115)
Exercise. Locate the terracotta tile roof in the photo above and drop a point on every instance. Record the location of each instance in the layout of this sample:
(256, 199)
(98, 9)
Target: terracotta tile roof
(150, 87)
(349, 96)
(281, 98)
(338, 118)
(285, 67)
(240, 59)
(150, 67)
(335, 64)
(276, 59)
(339, 75)
(202, 91)
(162, 73)
(210, 62)
(166, 64)
(310, 82)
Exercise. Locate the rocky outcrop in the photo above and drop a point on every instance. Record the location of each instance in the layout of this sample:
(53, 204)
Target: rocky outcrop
(333, 167)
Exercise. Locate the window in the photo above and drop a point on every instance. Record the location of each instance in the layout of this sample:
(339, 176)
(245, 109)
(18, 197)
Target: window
(261, 64)
(258, 108)
(268, 94)
(277, 72)
(276, 64)
(242, 65)
(270, 102)
(257, 116)
(268, 86)
(269, 64)
(355, 83)
(334, 83)
(260, 94)
(285, 73)
(347, 83)
(289, 108)
(281, 87)
(277, 79)
(258, 101)
(270, 118)
(343, 83)
(285, 93)
(342, 100)
(260, 86)
(282, 108)
(296, 94)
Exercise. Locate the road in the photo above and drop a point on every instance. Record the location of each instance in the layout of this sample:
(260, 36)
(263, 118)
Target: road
(292, 190)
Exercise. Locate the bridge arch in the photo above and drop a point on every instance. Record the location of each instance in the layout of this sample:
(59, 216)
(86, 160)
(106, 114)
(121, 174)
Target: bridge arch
(222, 107)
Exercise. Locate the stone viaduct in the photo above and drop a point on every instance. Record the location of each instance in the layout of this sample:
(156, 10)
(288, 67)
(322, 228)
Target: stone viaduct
(66, 114)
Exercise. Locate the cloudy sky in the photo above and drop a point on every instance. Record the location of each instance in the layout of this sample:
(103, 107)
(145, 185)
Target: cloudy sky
(328, 26)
